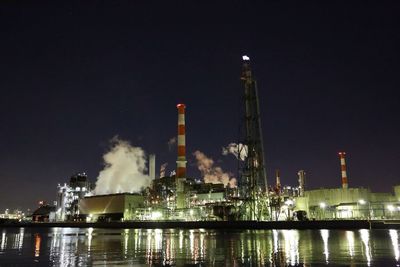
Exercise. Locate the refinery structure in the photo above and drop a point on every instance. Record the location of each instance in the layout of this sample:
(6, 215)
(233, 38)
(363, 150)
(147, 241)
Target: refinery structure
(181, 198)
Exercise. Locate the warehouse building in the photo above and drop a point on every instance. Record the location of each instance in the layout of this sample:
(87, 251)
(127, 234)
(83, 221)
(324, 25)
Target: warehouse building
(114, 207)
(349, 203)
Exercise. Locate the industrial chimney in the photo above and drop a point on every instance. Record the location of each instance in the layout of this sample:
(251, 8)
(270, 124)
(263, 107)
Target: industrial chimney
(152, 166)
(181, 161)
(345, 184)
(278, 180)
(302, 182)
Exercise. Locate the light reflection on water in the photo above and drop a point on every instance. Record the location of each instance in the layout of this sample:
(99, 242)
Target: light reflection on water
(82, 247)
(325, 237)
(364, 233)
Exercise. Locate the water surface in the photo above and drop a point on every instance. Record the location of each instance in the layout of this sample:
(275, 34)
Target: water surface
(133, 247)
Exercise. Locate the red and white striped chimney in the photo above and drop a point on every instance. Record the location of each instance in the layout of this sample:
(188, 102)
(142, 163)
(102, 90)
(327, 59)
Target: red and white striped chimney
(181, 161)
(343, 168)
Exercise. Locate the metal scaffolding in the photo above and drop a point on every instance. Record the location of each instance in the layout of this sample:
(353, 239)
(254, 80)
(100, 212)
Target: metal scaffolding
(253, 175)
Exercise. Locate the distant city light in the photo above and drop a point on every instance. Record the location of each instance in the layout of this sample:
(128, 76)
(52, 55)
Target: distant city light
(245, 58)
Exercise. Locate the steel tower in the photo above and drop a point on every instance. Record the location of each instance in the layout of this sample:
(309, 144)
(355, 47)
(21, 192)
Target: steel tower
(253, 175)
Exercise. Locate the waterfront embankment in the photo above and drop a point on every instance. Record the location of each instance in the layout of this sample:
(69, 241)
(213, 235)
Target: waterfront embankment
(331, 224)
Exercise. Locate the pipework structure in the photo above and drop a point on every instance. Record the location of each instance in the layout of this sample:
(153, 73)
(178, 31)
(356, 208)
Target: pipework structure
(253, 174)
(181, 160)
(345, 184)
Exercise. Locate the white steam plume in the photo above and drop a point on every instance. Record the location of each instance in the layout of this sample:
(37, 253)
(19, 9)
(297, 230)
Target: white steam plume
(163, 169)
(236, 149)
(124, 170)
(171, 143)
(213, 174)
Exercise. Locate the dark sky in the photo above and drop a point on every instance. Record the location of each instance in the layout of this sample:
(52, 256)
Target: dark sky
(74, 75)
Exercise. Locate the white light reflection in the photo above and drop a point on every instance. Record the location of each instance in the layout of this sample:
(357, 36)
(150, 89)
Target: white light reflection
(67, 246)
(54, 245)
(291, 246)
(20, 238)
(275, 235)
(3, 241)
(193, 246)
(169, 249)
(89, 235)
(394, 236)
(202, 244)
(126, 239)
(148, 247)
(325, 237)
(365, 239)
(350, 241)
(138, 238)
(180, 239)
(158, 239)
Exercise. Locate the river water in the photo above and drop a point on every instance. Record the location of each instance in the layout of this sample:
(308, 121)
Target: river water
(133, 247)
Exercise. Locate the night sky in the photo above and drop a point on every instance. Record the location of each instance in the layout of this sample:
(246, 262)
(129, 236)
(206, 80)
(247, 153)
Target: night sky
(74, 75)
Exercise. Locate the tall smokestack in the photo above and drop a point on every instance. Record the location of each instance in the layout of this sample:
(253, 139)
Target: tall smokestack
(345, 184)
(181, 161)
(152, 166)
(278, 180)
(302, 182)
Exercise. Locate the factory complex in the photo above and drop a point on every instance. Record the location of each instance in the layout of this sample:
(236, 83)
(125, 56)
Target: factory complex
(181, 198)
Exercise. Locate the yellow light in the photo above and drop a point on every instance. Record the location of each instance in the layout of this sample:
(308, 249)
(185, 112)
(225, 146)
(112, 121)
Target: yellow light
(156, 215)
(390, 207)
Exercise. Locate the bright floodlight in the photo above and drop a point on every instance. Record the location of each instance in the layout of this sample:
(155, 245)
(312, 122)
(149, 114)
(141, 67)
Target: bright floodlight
(322, 205)
(362, 201)
(390, 207)
(289, 202)
(245, 57)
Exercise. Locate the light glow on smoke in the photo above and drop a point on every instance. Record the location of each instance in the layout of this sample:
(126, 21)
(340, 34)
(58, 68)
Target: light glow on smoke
(213, 174)
(124, 171)
(163, 169)
(236, 150)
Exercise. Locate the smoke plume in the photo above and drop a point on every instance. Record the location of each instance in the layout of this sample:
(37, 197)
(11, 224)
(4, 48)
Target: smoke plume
(213, 174)
(124, 170)
(163, 169)
(171, 143)
(236, 149)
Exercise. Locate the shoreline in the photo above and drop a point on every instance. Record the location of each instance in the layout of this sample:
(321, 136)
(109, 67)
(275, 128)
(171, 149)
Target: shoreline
(219, 225)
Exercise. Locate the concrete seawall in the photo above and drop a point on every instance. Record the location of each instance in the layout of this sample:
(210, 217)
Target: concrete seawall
(222, 225)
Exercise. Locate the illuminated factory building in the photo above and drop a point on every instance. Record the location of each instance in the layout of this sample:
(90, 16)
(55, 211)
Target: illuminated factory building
(182, 198)
(68, 196)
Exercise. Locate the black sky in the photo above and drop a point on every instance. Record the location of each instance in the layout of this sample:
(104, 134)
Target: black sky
(74, 75)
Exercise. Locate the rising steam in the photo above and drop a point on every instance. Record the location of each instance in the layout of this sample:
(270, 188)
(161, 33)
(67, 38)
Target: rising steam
(171, 143)
(163, 169)
(236, 149)
(124, 170)
(213, 174)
